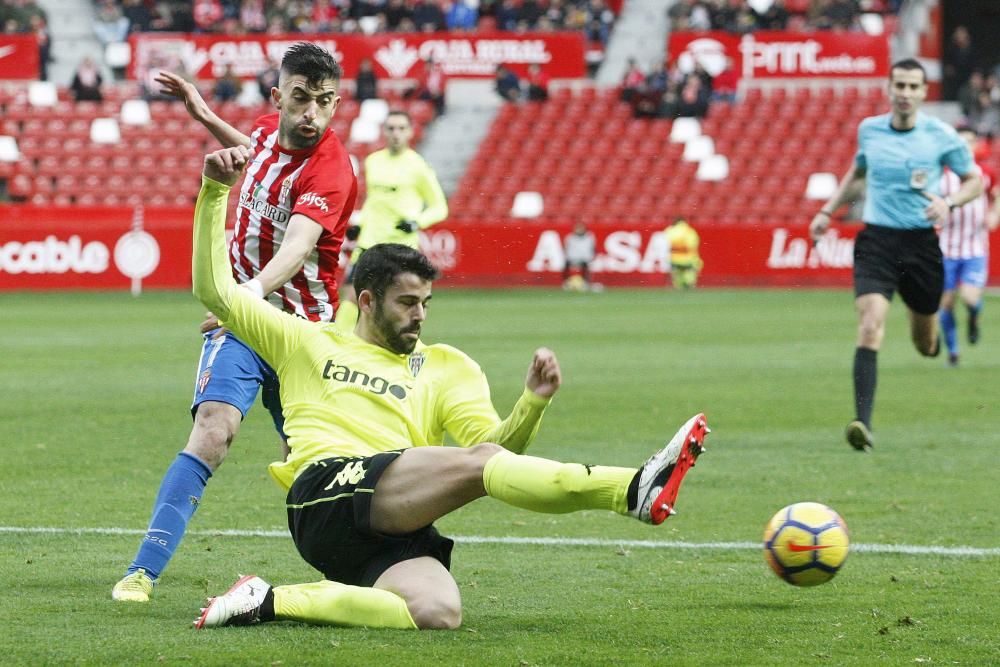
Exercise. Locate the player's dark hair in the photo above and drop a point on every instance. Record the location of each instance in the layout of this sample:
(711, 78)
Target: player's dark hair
(908, 64)
(400, 112)
(378, 267)
(313, 62)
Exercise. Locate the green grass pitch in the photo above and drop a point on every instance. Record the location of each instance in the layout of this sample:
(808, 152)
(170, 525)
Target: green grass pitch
(96, 390)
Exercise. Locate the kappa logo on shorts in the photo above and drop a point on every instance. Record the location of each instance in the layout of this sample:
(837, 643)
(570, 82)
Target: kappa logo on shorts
(351, 474)
(203, 380)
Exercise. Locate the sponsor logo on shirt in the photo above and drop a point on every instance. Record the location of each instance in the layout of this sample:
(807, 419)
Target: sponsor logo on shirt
(313, 199)
(374, 384)
(265, 208)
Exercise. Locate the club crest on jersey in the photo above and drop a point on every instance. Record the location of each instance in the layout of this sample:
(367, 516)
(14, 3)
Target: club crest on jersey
(203, 380)
(417, 362)
(286, 187)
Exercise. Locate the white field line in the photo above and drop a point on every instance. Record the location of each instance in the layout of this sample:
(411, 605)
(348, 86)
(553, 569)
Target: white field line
(908, 549)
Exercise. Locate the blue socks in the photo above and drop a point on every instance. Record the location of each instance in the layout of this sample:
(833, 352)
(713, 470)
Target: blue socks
(180, 493)
(949, 329)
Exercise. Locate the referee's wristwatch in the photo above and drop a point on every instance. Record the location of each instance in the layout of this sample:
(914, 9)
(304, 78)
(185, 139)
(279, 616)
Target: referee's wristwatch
(951, 204)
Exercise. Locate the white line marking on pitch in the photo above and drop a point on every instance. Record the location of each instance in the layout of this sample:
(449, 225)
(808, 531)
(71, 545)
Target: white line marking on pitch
(911, 549)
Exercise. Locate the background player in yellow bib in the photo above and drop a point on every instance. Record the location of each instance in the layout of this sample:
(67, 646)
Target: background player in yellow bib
(685, 262)
(402, 197)
(363, 413)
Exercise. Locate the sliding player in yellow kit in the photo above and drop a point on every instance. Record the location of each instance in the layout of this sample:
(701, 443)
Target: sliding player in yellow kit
(365, 413)
(402, 196)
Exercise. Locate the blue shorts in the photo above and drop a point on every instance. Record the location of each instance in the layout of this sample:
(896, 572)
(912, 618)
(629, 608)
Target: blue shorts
(230, 372)
(971, 272)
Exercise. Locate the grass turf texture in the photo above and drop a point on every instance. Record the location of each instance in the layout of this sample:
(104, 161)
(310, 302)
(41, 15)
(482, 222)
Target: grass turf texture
(96, 395)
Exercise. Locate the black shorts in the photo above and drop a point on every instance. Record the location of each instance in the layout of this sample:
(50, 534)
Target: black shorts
(329, 516)
(887, 259)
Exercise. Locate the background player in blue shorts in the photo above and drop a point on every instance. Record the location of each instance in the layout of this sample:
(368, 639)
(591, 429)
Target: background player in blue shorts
(898, 167)
(965, 242)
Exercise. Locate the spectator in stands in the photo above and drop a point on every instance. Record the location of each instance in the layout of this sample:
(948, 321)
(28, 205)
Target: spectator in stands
(633, 82)
(679, 14)
(508, 15)
(537, 84)
(774, 17)
(208, 15)
(16, 15)
(835, 14)
(40, 27)
(600, 19)
(461, 15)
(581, 248)
(139, 17)
(427, 16)
(252, 16)
(268, 78)
(693, 98)
(725, 84)
(325, 15)
(985, 116)
(508, 86)
(227, 87)
(277, 13)
(87, 82)
(968, 93)
(366, 83)
(110, 25)
(397, 12)
(555, 14)
(959, 62)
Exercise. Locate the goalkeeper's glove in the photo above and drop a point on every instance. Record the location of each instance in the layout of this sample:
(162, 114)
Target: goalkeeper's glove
(352, 232)
(406, 226)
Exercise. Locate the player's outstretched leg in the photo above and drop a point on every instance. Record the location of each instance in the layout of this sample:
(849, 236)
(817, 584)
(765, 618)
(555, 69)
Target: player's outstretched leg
(252, 600)
(973, 332)
(240, 605)
(659, 479)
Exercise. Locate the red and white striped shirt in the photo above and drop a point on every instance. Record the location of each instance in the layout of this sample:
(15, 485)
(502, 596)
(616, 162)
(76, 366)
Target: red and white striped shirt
(965, 234)
(317, 182)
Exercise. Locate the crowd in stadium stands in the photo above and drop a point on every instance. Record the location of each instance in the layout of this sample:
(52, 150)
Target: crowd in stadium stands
(312, 16)
(534, 87)
(668, 92)
(741, 17)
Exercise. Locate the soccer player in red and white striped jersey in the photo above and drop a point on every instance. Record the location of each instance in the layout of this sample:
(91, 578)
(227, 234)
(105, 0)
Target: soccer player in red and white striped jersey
(965, 243)
(294, 206)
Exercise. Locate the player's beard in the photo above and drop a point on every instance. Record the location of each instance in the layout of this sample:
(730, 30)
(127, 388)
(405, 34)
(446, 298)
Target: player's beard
(392, 337)
(294, 137)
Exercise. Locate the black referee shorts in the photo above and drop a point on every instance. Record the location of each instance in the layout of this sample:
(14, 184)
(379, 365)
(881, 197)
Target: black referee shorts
(329, 516)
(908, 260)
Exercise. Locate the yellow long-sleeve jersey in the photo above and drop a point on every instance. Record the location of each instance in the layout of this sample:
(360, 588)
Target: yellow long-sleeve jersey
(342, 396)
(399, 187)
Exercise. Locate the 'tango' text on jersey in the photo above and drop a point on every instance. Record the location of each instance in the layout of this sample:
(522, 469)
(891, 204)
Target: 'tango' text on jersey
(376, 385)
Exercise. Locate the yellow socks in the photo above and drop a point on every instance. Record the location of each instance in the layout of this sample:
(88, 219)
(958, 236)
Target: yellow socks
(551, 487)
(347, 315)
(330, 603)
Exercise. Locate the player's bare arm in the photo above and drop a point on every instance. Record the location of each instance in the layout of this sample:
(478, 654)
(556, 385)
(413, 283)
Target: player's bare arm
(300, 239)
(850, 188)
(197, 108)
(544, 375)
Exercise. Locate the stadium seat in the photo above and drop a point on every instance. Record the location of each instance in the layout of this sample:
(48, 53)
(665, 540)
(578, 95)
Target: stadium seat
(42, 94)
(527, 205)
(105, 131)
(8, 149)
(821, 185)
(698, 148)
(136, 112)
(713, 168)
(685, 129)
